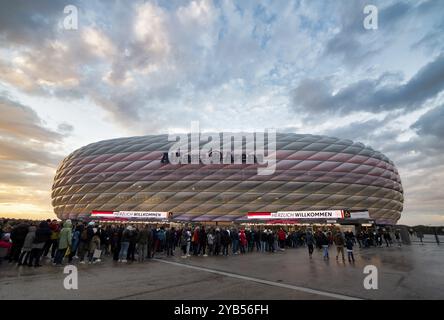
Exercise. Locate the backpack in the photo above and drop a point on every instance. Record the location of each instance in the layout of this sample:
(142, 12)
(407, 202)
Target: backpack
(84, 235)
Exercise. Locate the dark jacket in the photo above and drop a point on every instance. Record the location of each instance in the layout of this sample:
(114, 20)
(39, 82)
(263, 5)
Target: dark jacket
(18, 234)
(349, 244)
(225, 239)
(142, 237)
(170, 236)
(126, 236)
(309, 239)
(202, 236)
(43, 233)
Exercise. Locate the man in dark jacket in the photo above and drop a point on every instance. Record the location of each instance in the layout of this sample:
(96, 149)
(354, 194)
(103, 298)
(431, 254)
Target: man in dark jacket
(42, 236)
(225, 242)
(150, 243)
(339, 242)
(217, 242)
(18, 235)
(142, 243)
(52, 243)
(132, 244)
(85, 240)
(170, 239)
(234, 234)
(203, 241)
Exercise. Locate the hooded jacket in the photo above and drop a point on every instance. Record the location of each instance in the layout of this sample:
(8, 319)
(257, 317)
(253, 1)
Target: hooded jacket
(65, 239)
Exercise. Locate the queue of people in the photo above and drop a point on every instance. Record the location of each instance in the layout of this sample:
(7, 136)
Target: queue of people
(28, 243)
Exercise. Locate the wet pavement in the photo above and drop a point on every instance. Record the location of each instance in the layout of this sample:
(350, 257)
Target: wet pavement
(409, 272)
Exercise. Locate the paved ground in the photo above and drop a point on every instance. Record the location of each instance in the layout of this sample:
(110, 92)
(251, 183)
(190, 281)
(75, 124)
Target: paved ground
(410, 272)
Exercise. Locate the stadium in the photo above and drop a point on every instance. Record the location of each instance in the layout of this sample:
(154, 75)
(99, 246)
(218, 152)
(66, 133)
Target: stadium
(312, 173)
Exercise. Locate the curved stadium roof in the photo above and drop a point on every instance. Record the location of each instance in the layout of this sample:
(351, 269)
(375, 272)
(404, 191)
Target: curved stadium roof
(312, 172)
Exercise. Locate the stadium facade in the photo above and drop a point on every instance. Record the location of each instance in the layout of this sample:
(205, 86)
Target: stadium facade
(312, 173)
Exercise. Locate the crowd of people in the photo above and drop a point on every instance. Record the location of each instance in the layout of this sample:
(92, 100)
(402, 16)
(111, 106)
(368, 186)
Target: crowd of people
(26, 243)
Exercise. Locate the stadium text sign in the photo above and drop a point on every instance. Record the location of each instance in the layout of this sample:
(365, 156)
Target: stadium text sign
(317, 214)
(132, 214)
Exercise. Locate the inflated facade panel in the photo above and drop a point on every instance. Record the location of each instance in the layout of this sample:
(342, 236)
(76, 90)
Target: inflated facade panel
(312, 172)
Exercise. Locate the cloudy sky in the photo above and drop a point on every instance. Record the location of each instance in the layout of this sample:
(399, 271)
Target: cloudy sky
(141, 67)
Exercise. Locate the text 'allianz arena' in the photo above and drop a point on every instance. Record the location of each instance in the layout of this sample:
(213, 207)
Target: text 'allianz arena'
(312, 173)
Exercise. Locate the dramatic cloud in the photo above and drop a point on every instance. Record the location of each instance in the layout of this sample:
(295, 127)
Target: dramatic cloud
(28, 158)
(316, 96)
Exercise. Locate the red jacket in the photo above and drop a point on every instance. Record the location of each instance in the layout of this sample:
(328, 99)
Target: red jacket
(242, 238)
(281, 234)
(196, 236)
(5, 244)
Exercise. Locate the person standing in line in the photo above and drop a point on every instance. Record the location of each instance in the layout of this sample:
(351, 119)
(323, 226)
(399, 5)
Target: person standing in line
(85, 241)
(398, 237)
(27, 246)
(183, 243)
(420, 235)
(242, 240)
(195, 241)
(309, 240)
(93, 246)
(124, 244)
(53, 243)
(115, 241)
(249, 234)
(217, 242)
(349, 245)
(150, 243)
(142, 243)
(162, 238)
(170, 238)
(359, 238)
(156, 241)
(202, 241)
(234, 234)
(281, 237)
(42, 236)
(74, 243)
(18, 235)
(380, 235)
(325, 244)
(132, 244)
(257, 239)
(270, 241)
(387, 238)
(210, 241)
(5, 244)
(339, 242)
(188, 237)
(275, 241)
(48, 243)
(226, 242)
(264, 236)
(65, 241)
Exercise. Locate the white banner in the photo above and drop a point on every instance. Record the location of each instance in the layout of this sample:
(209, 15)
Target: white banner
(315, 214)
(141, 214)
(132, 214)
